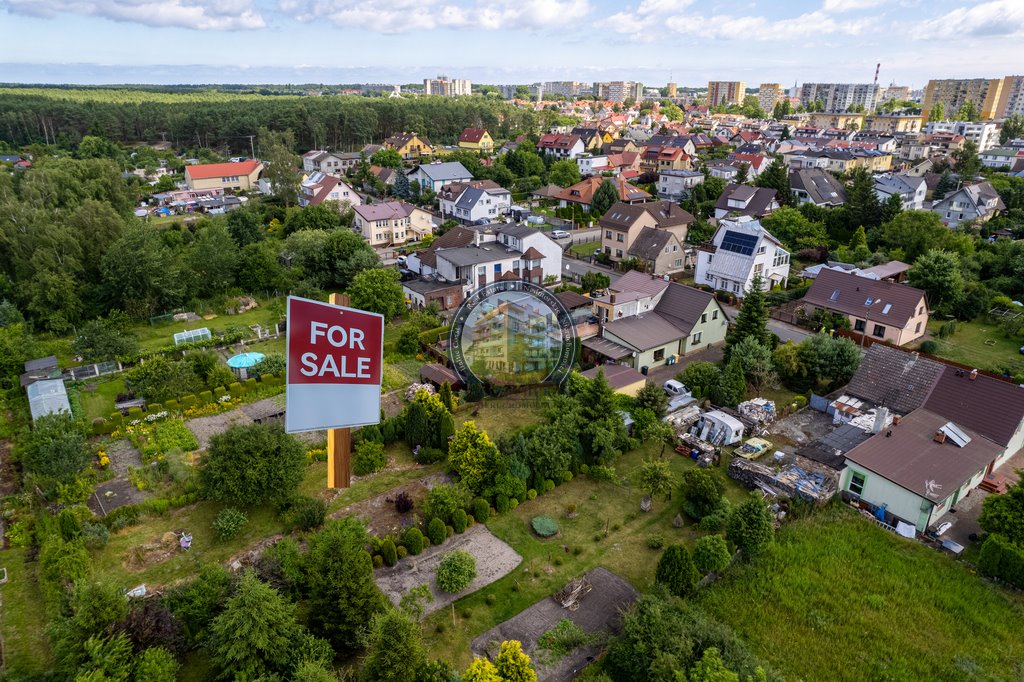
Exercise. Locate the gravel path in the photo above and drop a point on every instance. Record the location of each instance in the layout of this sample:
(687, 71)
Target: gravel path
(206, 428)
(122, 454)
(494, 560)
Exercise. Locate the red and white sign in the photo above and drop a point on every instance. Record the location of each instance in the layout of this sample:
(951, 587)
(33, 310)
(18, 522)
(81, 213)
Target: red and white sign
(335, 365)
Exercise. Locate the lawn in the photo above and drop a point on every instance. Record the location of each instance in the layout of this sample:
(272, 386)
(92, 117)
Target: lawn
(609, 530)
(154, 337)
(26, 645)
(839, 599)
(980, 344)
(494, 417)
(100, 402)
(584, 249)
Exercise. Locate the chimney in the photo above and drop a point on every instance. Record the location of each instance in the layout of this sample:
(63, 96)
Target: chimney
(939, 437)
(974, 374)
(881, 417)
(613, 298)
(896, 419)
(915, 355)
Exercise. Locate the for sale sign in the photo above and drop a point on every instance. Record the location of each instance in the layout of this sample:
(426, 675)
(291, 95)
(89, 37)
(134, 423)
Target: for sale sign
(335, 364)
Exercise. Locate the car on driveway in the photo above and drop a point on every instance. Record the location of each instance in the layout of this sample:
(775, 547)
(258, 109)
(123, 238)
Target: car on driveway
(559, 234)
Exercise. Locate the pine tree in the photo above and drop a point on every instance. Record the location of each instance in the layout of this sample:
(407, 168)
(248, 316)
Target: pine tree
(394, 648)
(776, 177)
(604, 198)
(862, 207)
(752, 319)
(945, 184)
(446, 397)
(256, 633)
(417, 424)
(742, 173)
(401, 187)
(892, 207)
(513, 665)
(653, 398)
(750, 527)
(676, 571)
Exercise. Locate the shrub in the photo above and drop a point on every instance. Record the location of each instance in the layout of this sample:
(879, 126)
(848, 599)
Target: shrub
(389, 552)
(544, 526)
(403, 503)
(481, 510)
(947, 329)
(800, 401)
(711, 554)
(1002, 559)
(513, 503)
(429, 455)
(378, 561)
(413, 540)
(307, 513)
(135, 412)
(188, 401)
(153, 408)
(929, 347)
(655, 541)
(549, 485)
(442, 501)
(402, 552)
(501, 504)
(229, 523)
(253, 464)
(566, 476)
(369, 458)
(172, 405)
(460, 520)
(235, 389)
(205, 397)
(676, 571)
(603, 473)
(436, 531)
(702, 491)
(220, 392)
(531, 494)
(456, 571)
(449, 531)
(713, 523)
(750, 527)
(95, 535)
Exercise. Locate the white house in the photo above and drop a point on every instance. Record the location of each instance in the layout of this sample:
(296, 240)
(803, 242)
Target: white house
(487, 200)
(588, 163)
(1000, 157)
(979, 202)
(330, 163)
(561, 146)
(740, 250)
(983, 134)
(676, 185)
(911, 189)
(433, 176)
(318, 188)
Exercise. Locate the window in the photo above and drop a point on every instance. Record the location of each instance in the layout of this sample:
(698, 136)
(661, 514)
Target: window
(607, 234)
(917, 329)
(709, 259)
(920, 310)
(497, 268)
(758, 268)
(481, 271)
(736, 287)
(619, 237)
(696, 337)
(761, 248)
(679, 262)
(659, 354)
(879, 331)
(858, 326)
(703, 318)
(857, 481)
(714, 314)
(618, 253)
(607, 250)
(887, 308)
(709, 277)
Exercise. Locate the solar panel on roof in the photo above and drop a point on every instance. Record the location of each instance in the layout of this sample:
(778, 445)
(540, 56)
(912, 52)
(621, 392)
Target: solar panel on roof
(740, 243)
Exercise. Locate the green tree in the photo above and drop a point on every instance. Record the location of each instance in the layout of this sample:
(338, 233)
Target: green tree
(378, 290)
(711, 668)
(481, 670)
(915, 232)
(313, 217)
(743, 172)
(756, 361)
(160, 379)
(141, 275)
(938, 273)
(654, 477)
(513, 665)
(593, 280)
(700, 377)
(55, 450)
(1004, 514)
(1012, 128)
(794, 230)
(256, 633)
(343, 595)
(776, 176)
(388, 158)
(564, 172)
(394, 648)
(752, 320)
(782, 109)
(472, 456)
(252, 465)
(968, 163)
(100, 340)
(281, 163)
(732, 389)
(711, 554)
(862, 207)
(156, 664)
(944, 185)
(892, 207)
(401, 187)
(447, 399)
(213, 258)
(604, 198)
(751, 527)
(702, 493)
(676, 571)
(828, 361)
(968, 111)
(653, 398)
(245, 225)
(456, 571)
(938, 112)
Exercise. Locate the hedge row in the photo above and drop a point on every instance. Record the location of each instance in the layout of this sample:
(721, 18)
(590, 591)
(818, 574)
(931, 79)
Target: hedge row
(227, 338)
(432, 336)
(1002, 559)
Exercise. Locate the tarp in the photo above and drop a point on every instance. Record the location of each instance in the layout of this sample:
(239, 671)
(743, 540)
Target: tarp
(906, 530)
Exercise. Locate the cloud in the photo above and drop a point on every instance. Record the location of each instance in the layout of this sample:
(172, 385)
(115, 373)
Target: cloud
(996, 18)
(850, 5)
(403, 16)
(219, 15)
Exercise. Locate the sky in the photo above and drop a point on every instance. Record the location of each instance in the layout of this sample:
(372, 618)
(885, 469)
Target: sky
(508, 41)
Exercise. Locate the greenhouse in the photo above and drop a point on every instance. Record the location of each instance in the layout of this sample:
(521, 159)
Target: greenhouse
(190, 335)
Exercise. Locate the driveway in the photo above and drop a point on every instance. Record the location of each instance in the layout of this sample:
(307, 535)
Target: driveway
(784, 330)
(573, 269)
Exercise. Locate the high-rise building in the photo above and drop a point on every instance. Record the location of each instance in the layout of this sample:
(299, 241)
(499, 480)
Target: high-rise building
(726, 92)
(447, 87)
(768, 94)
(671, 89)
(839, 97)
(1011, 100)
(894, 92)
(564, 88)
(619, 91)
(953, 93)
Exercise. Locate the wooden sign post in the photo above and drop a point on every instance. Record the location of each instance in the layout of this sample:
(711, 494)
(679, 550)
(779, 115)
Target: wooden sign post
(339, 441)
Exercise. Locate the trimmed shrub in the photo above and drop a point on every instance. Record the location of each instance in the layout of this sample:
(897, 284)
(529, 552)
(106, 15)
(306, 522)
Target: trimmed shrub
(402, 552)
(307, 513)
(436, 531)
(134, 412)
(229, 523)
(513, 503)
(531, 494)
(235, 389)
(249, 385)
(205, 397)
(152, 408)
(711, 554)
(389, 552)
(501, 503)
(676, 571)
(369, 458)
(713, 523)
(172, 405)
(220, 392)
(460, 520)
(566, 476)
(1001, 559)
(413, 540)
(481, 510)
(929, 347)
(449, 531)
(378, 561)
(549, 485)
(655, 541)
(456, 571)
(800, 401)
(188, 401)
(544, 526)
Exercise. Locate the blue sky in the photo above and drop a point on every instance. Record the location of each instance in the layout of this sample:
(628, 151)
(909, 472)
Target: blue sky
(507, 41)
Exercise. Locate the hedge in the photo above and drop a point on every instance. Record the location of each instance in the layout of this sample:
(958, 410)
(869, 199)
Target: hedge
(205, 398)
(432, 336)
(1002, 559)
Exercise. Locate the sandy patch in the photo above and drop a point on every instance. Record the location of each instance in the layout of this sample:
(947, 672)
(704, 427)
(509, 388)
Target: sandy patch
(494, 560)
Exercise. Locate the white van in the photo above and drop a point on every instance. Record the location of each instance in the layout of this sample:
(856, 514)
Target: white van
(674, 388)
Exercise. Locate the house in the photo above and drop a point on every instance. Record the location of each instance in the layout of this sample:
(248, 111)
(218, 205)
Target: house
(884, 310)
(242, 176)
(657, 158)
(590, 164)
(622, 379)
(385, 174)
(893, 271)
(724, 171)
(1000, 157)
(744, 200)
(622, 224)
(740, 250)
(592, 137)
(756, 163)
(647, 321)
(620, 145)
(677, 185)
(582, 192)
(816, 186)
(409, 145)
(391, 222)
(911, 190)
(971, 203)
(561, 146)
(425, 291)
(433, 176)
(477, 140)
(319, 187)
(659, 252)
(330, 163)
(488, 200)
(955, 427)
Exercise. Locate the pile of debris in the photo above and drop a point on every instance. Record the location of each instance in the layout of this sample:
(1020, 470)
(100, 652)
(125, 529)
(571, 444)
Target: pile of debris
(570, 596)
(758, 411)
(801, 479)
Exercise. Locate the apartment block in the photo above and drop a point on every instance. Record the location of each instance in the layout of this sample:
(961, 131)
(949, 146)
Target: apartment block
(564, 88)
(770, 93)
(984, 134)
(619, 91)
(894, 92)
(838, 97)
(726, 92)
(953, 93)
(1011, 100)
(447, 87)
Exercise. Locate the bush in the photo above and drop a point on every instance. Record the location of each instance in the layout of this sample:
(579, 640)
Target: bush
(389, 552)
(235, 389)
(403, 503)
(188, 401)
(711, 554)
(95, 535)
(429, 455)
(702, 491)
(800, 401)
(655, 541)
(603, 473)
(413, 540)
(501, 504)
(402, 552)
(549, 485)
(750, 527)
(449, 531)
(369, 458)
(947, 329)
(307, 513)
(460, 520)
(378, 561)
(436, 531)
(929, 347)
(219, 392)
(172, 405)
(566, 476)
(442, 502)
(229, 523)
(481, 510)
(253, 464)
(676, 571)
(531, 494)
(456, 571)
(513, 503)
(205, 397)
(1001, 559)
(544, 526)
(713, 523)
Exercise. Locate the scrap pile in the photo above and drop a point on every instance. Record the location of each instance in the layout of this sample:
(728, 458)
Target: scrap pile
(758, 411)
(570, 596)
(804, 479)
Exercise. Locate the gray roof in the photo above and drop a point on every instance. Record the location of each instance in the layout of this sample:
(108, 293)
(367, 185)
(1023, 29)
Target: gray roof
(448, 171)
(471, 255)
(831, 450)
(638, 282)
(901, 184)
(606, 347)
(649, 243)
(760, 198)
(618, 376)
(41, 364)
(469, 197)
(675, 314)
(428, 286)
(894, 378)
(821, 186)
(683, 305)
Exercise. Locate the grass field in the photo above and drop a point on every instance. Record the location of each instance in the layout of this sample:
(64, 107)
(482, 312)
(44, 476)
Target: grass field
(609, 530)
(840, 599)
(154, 337)
(100, 402)
(980, 344)
(584, 249)
(26, 645)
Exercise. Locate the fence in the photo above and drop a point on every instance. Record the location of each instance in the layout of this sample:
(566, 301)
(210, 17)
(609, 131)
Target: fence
(789, 312)
(94, 370)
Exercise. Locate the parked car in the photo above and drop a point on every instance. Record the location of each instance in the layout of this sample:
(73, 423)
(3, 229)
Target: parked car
(674, 388)
(401, 260)
(559, 234)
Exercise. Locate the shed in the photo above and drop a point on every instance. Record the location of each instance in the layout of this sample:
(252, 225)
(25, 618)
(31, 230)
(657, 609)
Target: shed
(622, 379)
(438, 374)
(48, 397)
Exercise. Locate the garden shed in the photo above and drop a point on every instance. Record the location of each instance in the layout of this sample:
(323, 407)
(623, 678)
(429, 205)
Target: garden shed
(48, 397)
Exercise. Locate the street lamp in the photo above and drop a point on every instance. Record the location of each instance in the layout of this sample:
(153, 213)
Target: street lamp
(867, 319)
